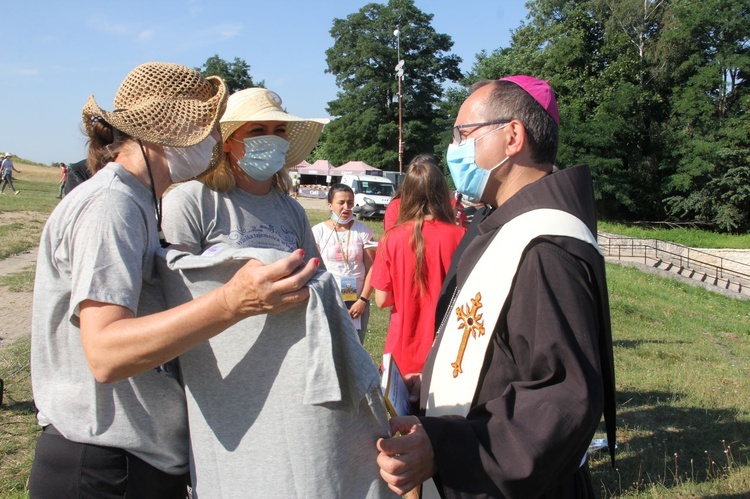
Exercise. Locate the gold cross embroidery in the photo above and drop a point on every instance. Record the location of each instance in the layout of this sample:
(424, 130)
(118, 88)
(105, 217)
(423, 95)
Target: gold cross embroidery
(470, 320)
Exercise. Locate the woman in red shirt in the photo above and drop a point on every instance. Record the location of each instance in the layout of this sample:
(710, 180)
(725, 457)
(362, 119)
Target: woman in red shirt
(412, 260)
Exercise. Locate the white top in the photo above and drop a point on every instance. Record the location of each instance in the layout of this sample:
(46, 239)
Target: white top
(343, 252)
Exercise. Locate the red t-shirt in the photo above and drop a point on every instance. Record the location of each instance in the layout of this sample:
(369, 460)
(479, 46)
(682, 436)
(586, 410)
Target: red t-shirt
(412, 324)
(391, 213)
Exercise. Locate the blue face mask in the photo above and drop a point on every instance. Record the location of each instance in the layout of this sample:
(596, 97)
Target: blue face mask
(469, 179)
(264, 156)
(338, 220)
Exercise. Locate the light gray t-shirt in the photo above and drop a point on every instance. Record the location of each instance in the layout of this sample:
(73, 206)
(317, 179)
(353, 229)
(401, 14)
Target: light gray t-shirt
(98, 244)
(283, 405)
(200, 218)
(7, 167)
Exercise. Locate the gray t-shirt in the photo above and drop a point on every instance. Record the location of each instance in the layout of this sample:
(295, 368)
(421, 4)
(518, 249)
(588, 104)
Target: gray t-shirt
(7, 167)
(200, 218)
(285, 405)
(98, 244)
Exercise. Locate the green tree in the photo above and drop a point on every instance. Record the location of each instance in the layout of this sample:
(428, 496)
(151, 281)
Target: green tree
(363, 60)
(235, 74)
(653, 95)
(706, 53)
(596, 55)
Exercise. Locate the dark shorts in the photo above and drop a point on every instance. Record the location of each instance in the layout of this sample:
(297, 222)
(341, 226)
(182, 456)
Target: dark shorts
(63, 468)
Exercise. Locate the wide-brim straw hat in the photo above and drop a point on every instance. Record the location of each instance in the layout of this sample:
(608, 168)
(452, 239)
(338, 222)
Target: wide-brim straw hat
(260, 104)
(163, 103)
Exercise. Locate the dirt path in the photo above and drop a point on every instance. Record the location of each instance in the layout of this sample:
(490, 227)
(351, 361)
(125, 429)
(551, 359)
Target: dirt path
(15, 308)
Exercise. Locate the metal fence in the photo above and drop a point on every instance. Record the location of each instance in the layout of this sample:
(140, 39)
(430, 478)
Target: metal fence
(714, 269)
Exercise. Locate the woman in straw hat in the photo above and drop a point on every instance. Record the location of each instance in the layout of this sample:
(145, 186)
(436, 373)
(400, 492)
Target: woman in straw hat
(108, 395)
(261, 142)
(288, 404)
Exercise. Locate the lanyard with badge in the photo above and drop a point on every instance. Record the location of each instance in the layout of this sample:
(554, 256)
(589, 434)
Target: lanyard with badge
(348, 283)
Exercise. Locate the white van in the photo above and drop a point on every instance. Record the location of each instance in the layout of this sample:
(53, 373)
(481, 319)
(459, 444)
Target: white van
(371, 193)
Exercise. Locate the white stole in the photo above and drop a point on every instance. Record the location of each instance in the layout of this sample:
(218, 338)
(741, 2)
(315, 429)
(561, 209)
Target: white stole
(476, 310)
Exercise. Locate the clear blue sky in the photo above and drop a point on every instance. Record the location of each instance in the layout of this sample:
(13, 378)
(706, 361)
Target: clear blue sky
(56, 53)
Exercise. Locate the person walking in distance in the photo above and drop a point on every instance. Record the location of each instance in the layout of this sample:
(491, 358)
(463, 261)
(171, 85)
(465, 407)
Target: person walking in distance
(7, 170)
(63, 180)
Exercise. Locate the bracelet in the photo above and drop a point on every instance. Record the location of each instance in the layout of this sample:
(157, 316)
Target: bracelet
(363, 299)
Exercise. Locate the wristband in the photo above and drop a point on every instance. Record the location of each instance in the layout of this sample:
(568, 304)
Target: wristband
(363, 299)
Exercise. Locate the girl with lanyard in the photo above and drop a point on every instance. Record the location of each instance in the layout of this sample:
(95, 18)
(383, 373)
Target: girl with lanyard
(348, 251)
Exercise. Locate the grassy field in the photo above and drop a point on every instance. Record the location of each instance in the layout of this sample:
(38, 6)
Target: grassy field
(682, 235)
(682, 365)
(22, 217)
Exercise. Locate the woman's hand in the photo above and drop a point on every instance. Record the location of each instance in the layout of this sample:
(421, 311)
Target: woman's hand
(268, 289)
(357, 309)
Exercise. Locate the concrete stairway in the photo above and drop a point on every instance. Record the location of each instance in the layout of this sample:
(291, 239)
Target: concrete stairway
(699, 266)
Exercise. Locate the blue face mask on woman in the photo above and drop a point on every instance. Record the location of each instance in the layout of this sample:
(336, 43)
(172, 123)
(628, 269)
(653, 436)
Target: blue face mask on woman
(339, 220)
(264, 156)
(469, 179)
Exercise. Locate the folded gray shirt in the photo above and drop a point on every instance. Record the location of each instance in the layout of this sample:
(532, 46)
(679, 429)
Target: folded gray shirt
(284, 405)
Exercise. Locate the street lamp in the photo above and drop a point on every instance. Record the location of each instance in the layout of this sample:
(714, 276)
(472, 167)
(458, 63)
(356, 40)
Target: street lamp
(400, 76)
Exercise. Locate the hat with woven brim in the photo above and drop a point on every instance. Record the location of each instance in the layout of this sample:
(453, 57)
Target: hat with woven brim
(163, 103)
(260, 104)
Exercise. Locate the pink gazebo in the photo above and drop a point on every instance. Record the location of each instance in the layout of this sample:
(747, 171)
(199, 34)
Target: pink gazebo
(320, 167)
(355, 168)
(303, 164)
(314, 183)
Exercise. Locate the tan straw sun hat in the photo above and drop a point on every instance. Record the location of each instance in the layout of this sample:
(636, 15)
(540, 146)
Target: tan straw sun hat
(163, 103)
(260, 104)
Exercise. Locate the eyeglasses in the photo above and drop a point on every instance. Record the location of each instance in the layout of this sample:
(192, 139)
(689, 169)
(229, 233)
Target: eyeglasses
(459, 139)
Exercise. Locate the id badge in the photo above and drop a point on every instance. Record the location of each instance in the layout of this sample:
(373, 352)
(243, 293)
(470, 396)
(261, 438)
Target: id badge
(349, 288)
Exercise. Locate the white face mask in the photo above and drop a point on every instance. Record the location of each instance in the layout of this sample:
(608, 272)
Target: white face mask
(185, 163)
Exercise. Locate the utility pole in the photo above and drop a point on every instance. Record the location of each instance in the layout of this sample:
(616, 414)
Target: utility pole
(400, 76)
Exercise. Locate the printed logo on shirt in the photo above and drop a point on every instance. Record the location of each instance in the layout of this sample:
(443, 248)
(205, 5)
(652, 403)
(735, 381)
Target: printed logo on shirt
(264, 236)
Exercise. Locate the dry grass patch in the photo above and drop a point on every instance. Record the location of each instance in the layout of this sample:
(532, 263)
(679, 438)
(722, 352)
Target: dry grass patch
(20, 233)
(18, 427)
